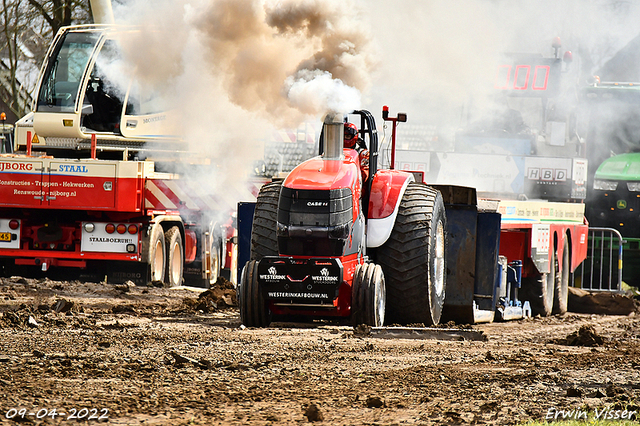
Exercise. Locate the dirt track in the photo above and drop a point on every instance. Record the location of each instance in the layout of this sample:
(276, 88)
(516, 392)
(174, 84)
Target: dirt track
(160, 356)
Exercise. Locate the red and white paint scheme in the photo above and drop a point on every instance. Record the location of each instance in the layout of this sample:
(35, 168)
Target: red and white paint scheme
(100, 215)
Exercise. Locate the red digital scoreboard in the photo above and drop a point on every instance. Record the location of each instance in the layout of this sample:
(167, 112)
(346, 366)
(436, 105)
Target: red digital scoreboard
(537, 77)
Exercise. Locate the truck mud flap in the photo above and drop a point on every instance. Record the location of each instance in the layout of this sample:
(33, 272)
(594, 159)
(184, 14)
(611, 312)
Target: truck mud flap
(300, 282)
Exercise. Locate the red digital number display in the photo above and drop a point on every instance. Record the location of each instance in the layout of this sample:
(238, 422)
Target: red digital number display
(519, 77)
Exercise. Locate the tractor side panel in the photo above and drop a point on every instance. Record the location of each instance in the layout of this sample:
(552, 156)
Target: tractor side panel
(387, 189)
(386, 193)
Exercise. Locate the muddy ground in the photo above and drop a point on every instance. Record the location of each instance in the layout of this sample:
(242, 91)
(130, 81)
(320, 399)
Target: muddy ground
(138, 355)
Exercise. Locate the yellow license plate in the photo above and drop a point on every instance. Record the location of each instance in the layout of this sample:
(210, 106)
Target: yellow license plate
(5, 236)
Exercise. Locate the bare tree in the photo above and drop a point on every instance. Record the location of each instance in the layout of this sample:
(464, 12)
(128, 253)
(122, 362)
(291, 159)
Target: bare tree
(27, 28)
(14, 19)
(60, 13)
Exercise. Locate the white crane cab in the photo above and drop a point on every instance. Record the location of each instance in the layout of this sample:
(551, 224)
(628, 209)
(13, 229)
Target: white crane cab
(86, 88)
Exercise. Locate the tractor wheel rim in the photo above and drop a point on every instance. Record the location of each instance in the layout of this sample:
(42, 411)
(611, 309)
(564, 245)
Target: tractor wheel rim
(439, 260)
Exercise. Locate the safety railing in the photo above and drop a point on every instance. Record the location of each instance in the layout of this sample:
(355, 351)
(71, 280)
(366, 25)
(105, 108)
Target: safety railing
(602, 269)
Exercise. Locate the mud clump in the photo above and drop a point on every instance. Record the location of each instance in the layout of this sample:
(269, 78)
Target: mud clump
(221, 295)
(585, 336)
(313, 413)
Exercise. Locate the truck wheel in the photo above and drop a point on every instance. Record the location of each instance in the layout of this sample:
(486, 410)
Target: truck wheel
(561, 294)
(213, 261)
(538, 290)
(414, 258)
(368, 296)
(155, 255)
(175, 257)
(254, 311)
(214, 265)
(264, 241)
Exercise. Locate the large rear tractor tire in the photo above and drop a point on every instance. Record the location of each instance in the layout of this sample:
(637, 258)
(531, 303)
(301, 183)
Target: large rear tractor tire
(539, 290)
(368, 296)
(264, 241)
(175, 257)
(414, 258)
(561, 294)
(254, 311)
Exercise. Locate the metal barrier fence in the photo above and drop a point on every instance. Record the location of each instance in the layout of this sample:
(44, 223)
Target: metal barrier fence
(602, 269)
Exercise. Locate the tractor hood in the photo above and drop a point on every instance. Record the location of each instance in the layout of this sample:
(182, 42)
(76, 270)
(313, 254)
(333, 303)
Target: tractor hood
(625, 167)
(322, 174)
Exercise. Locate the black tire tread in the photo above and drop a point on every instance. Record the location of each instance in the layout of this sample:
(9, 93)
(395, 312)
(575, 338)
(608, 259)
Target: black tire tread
(253, 307)
(264, 241)
(404, 257)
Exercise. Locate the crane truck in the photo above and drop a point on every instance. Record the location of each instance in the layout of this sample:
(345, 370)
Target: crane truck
(82, 191)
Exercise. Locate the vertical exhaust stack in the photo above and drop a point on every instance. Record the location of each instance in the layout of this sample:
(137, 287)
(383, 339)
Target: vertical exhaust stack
(333, 135)
(102, 11)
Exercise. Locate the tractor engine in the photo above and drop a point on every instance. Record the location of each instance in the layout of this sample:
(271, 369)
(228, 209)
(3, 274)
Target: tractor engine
(315, 222)
(325, 221)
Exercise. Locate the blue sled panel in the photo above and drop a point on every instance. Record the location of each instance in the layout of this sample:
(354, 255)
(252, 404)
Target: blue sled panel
(245, 222)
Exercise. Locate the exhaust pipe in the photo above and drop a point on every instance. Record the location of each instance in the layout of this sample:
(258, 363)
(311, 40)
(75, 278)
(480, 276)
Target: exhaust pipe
(333, 135)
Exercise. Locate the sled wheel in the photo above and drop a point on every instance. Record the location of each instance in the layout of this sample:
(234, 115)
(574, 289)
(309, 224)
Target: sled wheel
(414, 258)
(175, 257)
(254, 311)
(561, 293)
(368, 296)
(538, 290)
(154, 254)
(264, 241)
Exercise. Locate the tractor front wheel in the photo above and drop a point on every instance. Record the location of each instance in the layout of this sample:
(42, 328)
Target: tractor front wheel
(254, 311)
(368, 295)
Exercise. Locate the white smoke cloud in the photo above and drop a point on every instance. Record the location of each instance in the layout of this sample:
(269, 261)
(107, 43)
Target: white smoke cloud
(233, 69)
(316, 91)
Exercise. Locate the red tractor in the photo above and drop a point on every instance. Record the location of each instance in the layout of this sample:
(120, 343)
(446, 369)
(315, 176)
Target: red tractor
(328, 242)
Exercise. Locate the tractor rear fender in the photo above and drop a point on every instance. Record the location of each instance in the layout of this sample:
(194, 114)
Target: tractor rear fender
(387, 189)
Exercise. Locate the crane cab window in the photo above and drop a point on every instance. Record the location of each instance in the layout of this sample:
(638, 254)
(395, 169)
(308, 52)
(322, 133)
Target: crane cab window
(65, 70)
(104, 94)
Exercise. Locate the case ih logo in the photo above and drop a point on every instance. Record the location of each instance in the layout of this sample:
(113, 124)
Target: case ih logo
(15, 166)
(547, 175)
(317, 204)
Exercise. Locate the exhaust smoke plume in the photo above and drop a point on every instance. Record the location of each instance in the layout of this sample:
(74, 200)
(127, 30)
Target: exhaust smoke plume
(235, 69)
(285, 60)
